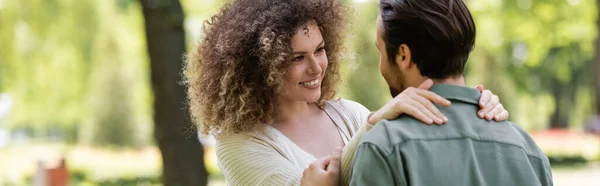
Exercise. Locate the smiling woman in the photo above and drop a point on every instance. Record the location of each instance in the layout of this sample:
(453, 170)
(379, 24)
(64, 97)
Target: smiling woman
(259, 81)
(242, 60)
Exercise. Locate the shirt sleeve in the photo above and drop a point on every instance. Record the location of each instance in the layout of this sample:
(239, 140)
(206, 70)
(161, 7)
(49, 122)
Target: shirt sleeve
(371, 167)
(547, 178)
(251, 162)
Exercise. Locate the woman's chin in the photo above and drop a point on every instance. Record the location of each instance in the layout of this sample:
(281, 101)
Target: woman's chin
(314, 98)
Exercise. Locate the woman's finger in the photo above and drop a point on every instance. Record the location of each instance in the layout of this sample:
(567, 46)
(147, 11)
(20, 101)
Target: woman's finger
(490, 105)
(502, 116)
(486, 95)
(480, 88)
(425, 111)
(492, 113)
(433, 97)
(374, 117)
(429, 106)
(416, 112)
(321, 163)
(334, 163)
(426, 85)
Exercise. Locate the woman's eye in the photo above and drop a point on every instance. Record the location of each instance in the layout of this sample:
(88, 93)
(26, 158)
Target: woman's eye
(296, 59)
(320, 50)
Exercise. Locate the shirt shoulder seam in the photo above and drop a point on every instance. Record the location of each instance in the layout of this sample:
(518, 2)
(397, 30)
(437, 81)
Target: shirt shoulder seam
(403, 143)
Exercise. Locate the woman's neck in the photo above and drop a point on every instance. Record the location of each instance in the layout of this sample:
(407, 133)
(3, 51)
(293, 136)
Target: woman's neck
(288, 112)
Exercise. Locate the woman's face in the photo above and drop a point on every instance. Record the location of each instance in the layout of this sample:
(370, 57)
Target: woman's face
(308, 64)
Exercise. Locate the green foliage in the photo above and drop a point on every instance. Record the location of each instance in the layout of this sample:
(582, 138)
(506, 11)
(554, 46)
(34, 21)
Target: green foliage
(537, 48)
(80, 67)
(51, 52)
(113, 124)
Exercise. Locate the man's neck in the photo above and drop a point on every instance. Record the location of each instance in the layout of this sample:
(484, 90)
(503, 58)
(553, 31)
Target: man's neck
(456, 80)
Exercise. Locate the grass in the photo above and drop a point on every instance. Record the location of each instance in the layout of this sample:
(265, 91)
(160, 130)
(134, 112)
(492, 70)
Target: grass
(90, 165)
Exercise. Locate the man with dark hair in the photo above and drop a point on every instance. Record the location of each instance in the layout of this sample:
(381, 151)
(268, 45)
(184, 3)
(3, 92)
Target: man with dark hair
(432, 39)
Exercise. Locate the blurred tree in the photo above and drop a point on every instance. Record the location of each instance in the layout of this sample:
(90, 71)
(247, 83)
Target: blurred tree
(38, 40)
(597, 62)
(183, 155)
(113, 121)
(50, 55)
(537, 47)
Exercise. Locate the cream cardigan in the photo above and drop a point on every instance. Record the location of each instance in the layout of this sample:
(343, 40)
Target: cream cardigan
(270, 158)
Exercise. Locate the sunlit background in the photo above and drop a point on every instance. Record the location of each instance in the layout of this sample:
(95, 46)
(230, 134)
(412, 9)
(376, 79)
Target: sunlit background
(75, 84)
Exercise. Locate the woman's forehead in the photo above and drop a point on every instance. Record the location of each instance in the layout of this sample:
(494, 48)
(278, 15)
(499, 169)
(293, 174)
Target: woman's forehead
(307, 36)
(308, 28)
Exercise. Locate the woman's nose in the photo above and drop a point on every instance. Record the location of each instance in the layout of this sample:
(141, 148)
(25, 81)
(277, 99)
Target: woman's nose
(314, 67)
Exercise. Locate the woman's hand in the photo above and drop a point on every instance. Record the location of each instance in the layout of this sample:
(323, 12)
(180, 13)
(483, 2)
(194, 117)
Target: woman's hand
(417, 102)
(325, 171)
(491, 108)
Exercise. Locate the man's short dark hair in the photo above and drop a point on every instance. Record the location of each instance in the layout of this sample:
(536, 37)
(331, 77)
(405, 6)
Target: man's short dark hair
(439, 33)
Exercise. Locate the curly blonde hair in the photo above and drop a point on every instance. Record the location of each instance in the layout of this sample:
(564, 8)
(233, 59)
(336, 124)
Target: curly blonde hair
(243, 57)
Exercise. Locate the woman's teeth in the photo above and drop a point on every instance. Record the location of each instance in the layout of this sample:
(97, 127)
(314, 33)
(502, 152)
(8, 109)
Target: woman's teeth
(310, 83)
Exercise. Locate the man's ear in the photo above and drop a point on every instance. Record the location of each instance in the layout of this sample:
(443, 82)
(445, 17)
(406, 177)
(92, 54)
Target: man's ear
(403, 57)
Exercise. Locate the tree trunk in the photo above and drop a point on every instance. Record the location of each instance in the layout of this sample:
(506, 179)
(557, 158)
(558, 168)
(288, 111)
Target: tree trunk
(182, 153)
(564, 97)
(556, 121)
(597, 64)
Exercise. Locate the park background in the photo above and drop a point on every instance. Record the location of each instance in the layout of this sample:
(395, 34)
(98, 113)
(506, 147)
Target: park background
(97, 83)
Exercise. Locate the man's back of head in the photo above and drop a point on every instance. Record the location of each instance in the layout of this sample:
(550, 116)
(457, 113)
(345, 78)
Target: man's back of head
(423, 39)
(440, 34)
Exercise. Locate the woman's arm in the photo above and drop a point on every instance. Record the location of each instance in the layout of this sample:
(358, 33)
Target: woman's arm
(348, 154)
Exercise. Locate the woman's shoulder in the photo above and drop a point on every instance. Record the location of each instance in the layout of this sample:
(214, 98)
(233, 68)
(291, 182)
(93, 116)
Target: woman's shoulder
(354, 114)
(240, 141)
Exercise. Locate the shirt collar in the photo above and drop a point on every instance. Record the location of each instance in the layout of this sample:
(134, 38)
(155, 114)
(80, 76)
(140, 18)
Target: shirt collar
(459, 93)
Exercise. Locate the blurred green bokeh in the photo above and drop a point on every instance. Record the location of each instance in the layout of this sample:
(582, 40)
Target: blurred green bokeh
(76, 73)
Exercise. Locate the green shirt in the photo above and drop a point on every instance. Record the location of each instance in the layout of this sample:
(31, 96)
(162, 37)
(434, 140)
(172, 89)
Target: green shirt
(466, 150)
